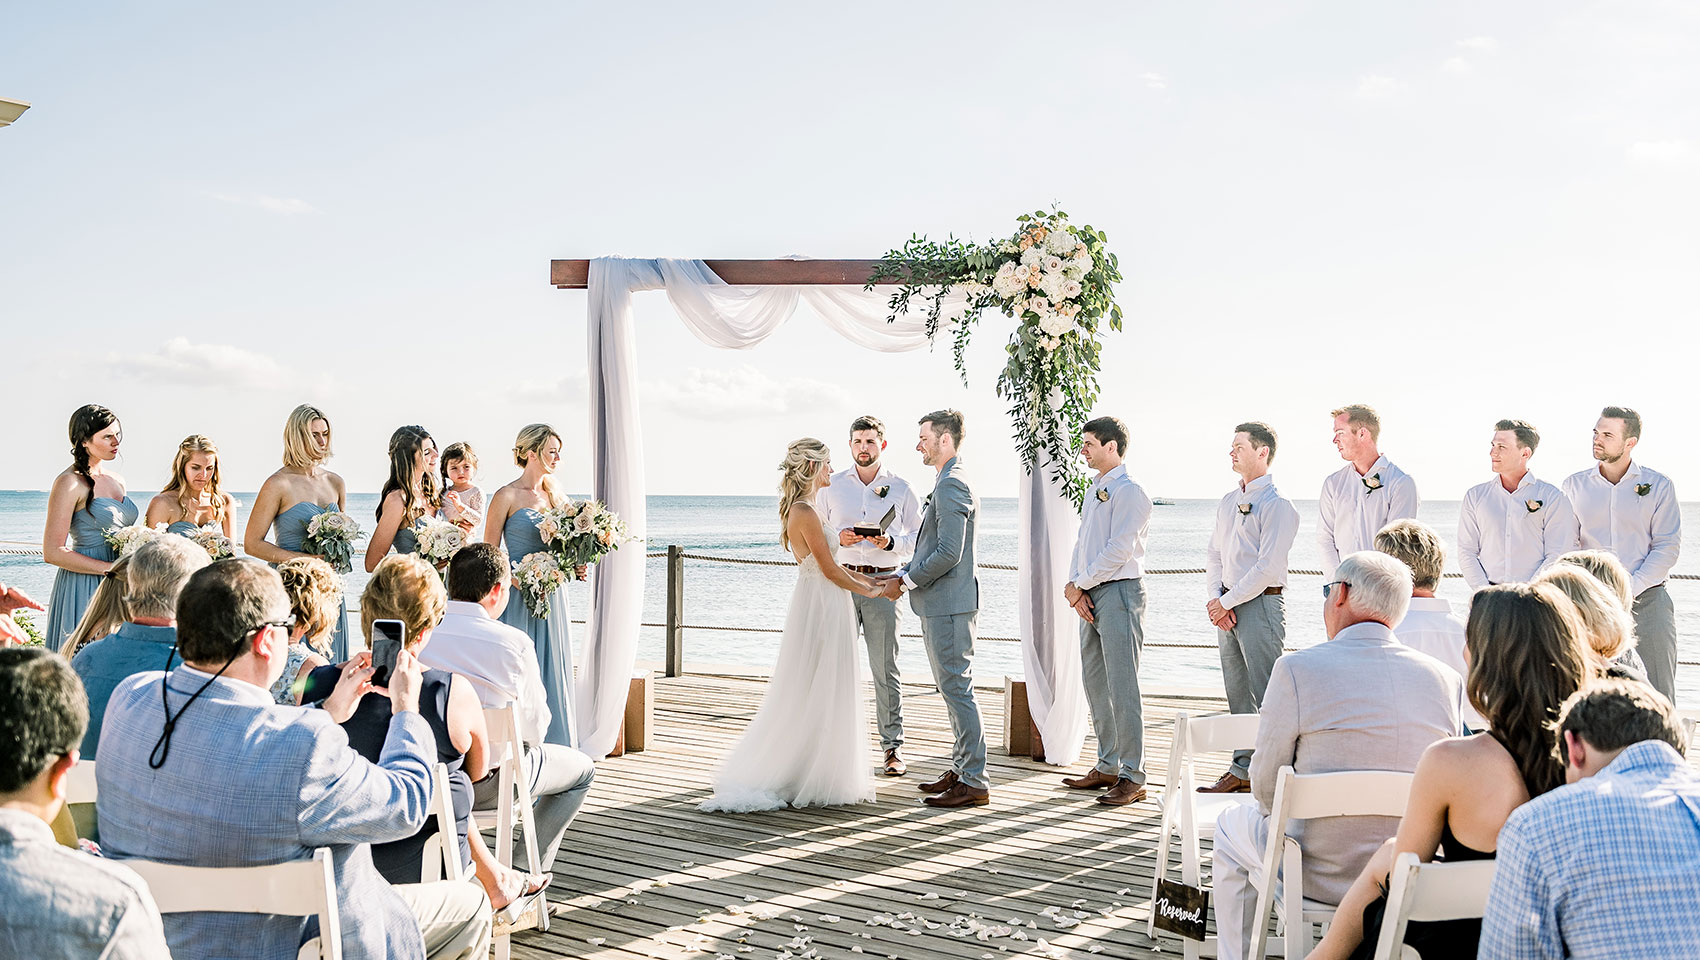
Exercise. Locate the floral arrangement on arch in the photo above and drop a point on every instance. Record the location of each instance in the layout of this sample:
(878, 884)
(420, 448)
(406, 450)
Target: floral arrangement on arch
(1056, 281)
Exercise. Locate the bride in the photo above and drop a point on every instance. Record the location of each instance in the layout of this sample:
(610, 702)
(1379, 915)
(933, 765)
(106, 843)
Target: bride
(808, 744)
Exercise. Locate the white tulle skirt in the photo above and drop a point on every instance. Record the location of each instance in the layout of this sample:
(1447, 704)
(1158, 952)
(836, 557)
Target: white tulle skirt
(808, 743)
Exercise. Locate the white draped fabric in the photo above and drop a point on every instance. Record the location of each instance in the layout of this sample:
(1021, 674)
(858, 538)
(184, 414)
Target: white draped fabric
(738, 318)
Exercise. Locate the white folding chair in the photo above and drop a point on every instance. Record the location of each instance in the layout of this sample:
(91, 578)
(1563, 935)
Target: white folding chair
(1689, 718)
(1315, 796)
(513, 805)
(441, 860)
(1189, 816)
(299, 888)
(1427, 892)
(79, 783)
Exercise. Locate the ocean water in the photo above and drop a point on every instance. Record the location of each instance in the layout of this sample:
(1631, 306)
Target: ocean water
(737, 595)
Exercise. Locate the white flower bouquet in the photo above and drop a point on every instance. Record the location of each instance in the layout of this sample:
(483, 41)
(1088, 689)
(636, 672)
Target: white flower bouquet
(539, 576)
(581, 532)
(127, 540)
(214, 542)
(331, 535)
(438, 540)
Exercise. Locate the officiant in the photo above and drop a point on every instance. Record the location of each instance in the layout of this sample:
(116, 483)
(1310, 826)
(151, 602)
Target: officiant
(876, 516)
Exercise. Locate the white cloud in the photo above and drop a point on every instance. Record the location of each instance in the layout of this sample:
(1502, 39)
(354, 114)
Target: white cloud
(1155, 81)
(574, 388)
(741, 391)
(1479, 44)
(1458, 66)
(284, 206)
(1662, 153)
(177, 361)
(1376, 87)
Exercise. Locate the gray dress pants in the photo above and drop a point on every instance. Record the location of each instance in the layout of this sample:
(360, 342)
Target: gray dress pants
(1109, 668)
(878, 617)
(950, 648)
(1655, 638)
(1249, 652)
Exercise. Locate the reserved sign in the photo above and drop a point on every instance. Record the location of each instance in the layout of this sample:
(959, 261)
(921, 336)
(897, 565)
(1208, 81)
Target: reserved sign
(1180, 909)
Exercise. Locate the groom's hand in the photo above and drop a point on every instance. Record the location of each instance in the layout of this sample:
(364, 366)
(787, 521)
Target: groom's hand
(891, 588)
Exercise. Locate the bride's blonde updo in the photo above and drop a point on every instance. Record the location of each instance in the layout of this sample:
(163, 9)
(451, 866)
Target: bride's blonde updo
(804, 459)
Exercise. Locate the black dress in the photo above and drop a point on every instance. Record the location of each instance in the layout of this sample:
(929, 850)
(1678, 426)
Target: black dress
(400, 860)
(1439, 939)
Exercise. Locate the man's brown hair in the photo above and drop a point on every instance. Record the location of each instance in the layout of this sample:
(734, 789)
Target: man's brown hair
(1360, 415)
(946, 421)
(1631, 421)
(1527, 435)
(867, 421)
(1614, 714)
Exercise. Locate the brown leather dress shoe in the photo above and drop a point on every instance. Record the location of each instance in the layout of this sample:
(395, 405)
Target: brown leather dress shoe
(894, 765)
(960, 795)
(1123, 793)
(950, 779)
(1228, 784)
(1096, 780)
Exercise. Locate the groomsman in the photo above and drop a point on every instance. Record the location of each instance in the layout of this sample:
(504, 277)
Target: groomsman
(1513, 526)
(1632, 511)
(1107, 593)
(1363, 496)
(861, 495)
(1245, 573)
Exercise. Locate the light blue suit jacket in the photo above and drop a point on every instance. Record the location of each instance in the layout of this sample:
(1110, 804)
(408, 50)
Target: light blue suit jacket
(942, 570)
(251, 783)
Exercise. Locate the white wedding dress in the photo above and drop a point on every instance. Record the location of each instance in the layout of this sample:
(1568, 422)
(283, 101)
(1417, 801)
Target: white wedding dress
(808, 743)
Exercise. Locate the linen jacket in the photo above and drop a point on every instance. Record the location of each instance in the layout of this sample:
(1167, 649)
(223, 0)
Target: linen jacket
(58, 904)
(941, 576)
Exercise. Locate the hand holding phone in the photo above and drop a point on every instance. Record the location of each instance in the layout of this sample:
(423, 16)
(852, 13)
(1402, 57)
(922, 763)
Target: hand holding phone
(388, 637)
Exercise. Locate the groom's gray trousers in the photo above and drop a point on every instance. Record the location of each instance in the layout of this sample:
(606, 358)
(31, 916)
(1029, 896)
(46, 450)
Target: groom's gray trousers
(950, 647)
(878, 617)
(1249, 652)
(1109, 668)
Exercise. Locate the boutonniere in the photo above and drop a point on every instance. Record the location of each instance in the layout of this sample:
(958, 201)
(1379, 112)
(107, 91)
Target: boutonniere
(1245, 509)
(1534, 506)
(1642, 489)
(1372, 483)
(882, 491)
(1103, 496)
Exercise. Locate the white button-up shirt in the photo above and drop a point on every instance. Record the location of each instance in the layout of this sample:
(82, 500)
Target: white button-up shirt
(500, 660)
(848, 501)
(1113, 525)
(1636, 518)
(1354, 507)
(1502, 540)
(1255, 527)
(1431, 626)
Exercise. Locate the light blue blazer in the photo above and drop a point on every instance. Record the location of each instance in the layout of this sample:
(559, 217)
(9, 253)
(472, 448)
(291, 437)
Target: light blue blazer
(943, 566)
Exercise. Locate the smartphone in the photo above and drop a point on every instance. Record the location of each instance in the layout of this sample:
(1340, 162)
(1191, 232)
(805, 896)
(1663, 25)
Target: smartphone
(386, 639)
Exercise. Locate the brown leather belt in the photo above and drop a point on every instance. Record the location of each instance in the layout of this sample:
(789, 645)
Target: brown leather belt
(864, 568)
(1273, 591)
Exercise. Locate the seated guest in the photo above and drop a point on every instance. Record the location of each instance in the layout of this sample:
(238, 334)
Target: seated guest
(1361, 701)
(315, 601)
(1429, 624)
(501, 662)
(1526, 655)
(155, 575)
(1607, 626)
(1605, 567)
(199, 766)
(58, 902)
(1608, 866)
(106, 611)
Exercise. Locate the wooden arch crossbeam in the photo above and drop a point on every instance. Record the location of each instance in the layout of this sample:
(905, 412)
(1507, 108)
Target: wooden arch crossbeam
(575, 274)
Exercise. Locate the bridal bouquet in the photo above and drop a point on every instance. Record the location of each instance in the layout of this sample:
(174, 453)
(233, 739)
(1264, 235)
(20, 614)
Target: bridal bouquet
(214, 542)
(127, 540)
(539, 576)
(331, 535)
(581, 533)
(438, 540)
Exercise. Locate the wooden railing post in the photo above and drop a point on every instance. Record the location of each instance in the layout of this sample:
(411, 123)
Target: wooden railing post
(675, 610)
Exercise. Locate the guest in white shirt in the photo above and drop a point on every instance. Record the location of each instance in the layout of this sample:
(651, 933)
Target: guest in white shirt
(1633, 512)
(1430, 625)
(501, 662)
(1106, 591)
(1245, 571)
(1513, 526)
(1363, 496)
(861, 495)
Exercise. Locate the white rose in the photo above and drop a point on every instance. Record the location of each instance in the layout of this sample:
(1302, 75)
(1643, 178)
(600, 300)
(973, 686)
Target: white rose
(1082, 263)
(1071, 289)
(1053, 264)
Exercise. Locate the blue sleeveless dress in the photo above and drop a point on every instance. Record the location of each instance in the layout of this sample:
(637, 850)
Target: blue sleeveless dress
(407, 538)
(72, 591)
(183, 528)
(291, 528)
(553, 636)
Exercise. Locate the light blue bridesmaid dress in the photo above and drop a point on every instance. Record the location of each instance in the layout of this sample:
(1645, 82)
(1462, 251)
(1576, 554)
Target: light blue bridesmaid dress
(553, 636)
(407, 538)
(183, 528)
(72, 591)
(291, 528)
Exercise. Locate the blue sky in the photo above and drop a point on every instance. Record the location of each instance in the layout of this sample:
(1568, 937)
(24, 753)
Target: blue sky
(1454, 211)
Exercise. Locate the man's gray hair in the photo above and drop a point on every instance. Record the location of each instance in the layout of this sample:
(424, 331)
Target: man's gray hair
(1380, 586)
(157, 574)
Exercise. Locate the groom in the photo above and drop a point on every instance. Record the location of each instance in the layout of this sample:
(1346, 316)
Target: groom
(946, 597)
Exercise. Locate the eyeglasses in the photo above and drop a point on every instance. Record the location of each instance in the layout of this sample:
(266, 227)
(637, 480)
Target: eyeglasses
(287, 623)
(1327, 588)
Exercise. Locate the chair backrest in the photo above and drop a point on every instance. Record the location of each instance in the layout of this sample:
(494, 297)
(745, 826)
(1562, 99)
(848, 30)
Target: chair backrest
(1689, 718)
(1221, 732)
(1427, 892)
(441, 856)
(299, 888)
(1353, 793)
(503, 725)
(79, 783)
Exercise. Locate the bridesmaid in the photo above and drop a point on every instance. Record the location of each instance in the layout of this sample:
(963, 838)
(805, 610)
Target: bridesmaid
(513, 517)
(410, 494)
(194, 497)
(87, 500)
(290, 498)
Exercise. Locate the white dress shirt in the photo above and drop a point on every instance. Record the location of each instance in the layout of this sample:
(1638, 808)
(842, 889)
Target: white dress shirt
(1113, 525)
(848, 501)
(1432, 627)
(1255, 528)
(1354, 507)
(499, 660)
(1501, 540)
(1643, 529)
